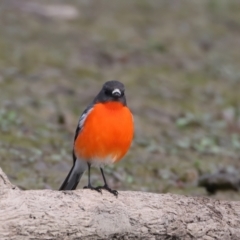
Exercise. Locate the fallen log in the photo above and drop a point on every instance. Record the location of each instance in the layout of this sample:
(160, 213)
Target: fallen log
(85, 214)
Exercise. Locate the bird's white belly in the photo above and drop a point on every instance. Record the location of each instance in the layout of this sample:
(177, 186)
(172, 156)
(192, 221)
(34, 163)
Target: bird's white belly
(100, 162)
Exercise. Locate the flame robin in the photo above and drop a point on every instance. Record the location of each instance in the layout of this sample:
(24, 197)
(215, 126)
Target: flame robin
(103, 135)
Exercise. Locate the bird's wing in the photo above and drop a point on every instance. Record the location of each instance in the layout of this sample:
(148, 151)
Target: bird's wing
(81, 125)
(80, 165)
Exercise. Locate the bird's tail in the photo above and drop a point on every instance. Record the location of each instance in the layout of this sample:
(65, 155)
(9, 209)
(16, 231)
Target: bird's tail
(74, 176)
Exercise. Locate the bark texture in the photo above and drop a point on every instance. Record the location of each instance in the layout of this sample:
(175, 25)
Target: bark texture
(85, 214)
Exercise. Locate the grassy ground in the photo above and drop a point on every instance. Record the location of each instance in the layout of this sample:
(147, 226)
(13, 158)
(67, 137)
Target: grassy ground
(179, 61)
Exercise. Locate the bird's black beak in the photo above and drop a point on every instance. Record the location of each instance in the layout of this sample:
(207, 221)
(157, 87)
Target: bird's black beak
(116, 92)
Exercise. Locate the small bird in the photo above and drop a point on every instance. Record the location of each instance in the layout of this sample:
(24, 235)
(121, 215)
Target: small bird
(103, 136)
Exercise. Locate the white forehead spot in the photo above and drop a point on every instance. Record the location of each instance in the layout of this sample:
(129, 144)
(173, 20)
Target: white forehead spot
(116, 90)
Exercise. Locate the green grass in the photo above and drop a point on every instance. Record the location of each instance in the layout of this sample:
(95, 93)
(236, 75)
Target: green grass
(178, 61)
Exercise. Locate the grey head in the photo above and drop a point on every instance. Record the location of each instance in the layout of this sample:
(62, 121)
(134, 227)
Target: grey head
(111, 91)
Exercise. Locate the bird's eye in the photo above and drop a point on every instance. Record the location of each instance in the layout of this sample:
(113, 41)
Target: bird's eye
(108, 92)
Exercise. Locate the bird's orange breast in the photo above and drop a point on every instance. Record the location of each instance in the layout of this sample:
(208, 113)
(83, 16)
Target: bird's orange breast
(107, 133)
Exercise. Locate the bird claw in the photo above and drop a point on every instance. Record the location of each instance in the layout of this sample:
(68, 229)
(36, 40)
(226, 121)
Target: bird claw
(106, 187)
(93, 188)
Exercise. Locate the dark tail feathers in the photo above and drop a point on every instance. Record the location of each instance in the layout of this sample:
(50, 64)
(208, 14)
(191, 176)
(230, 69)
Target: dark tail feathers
(74, 176)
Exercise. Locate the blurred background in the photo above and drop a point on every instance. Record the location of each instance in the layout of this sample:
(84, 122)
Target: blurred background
(180, 63)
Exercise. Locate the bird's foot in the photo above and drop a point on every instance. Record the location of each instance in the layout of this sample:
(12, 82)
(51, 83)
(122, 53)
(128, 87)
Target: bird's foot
(93, 188)
(106, 187)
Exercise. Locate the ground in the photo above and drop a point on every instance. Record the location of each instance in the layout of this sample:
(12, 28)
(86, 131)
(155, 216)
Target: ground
(179, 61)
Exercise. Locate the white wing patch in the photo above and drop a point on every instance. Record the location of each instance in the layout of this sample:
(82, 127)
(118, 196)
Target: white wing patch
(83, 118)
(132, 118)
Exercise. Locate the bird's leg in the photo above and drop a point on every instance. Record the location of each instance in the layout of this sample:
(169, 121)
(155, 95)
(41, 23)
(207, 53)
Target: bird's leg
(89, 186)
(106, 187)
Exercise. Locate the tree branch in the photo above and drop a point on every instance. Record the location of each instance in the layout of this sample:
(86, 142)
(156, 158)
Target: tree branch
(85, 214)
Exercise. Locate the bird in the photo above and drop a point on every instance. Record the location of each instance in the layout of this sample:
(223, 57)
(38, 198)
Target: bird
(103, 136)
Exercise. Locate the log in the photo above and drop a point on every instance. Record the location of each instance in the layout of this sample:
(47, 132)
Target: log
(85, 214)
